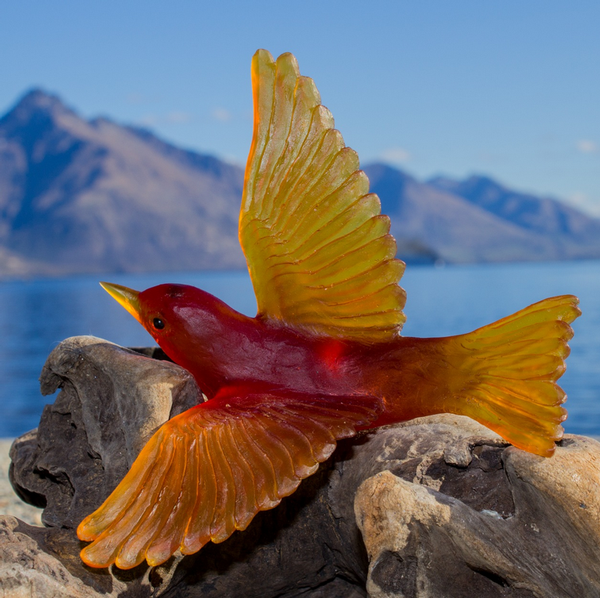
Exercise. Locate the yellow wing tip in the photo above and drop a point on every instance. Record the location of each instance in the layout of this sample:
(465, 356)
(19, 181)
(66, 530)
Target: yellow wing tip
(543, 446)
(300, 179)
(262, 56)
(95, 559)
(575, 310)
(516, 362)
(85, 531)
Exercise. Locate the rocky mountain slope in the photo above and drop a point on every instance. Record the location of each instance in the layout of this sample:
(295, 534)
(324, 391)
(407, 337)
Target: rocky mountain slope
(574, 234)
(79, 196)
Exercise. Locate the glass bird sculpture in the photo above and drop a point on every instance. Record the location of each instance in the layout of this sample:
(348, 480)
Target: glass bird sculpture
(322, 359)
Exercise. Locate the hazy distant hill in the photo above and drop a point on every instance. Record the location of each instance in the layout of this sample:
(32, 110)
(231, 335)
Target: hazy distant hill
(79, 196)
(94, 196)
(464, 222)
(573, 232)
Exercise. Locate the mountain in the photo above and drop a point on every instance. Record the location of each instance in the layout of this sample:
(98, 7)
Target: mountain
(574, 233)
(469, 223)
(94, 196)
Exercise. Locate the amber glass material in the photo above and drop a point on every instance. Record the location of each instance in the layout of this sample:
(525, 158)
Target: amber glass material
(322, 359)
(208, 471)
(318, 249)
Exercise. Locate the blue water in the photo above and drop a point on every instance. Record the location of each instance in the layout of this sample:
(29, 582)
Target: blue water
(36, 315)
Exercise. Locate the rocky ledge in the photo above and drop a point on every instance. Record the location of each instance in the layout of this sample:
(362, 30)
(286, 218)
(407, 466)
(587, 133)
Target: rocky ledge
(438, 507)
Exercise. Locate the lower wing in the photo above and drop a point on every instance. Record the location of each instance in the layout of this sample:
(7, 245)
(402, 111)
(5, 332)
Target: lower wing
(207, 472)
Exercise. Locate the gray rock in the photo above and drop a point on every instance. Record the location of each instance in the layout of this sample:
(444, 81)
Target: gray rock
(508, 523)
(10, 503)
(42, 563)
(111, 401)
(443, 505)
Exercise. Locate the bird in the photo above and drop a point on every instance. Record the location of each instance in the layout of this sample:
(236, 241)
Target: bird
(322, 360)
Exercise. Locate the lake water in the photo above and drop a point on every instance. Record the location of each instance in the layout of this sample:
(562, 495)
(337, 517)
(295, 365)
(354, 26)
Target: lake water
(36, 315)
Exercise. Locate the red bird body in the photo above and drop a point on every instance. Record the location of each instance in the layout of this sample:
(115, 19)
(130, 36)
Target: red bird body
(224, 349)
(412, 377)
(324, 356)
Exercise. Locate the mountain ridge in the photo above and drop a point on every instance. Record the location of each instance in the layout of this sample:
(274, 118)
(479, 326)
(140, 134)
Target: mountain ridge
(91, 196)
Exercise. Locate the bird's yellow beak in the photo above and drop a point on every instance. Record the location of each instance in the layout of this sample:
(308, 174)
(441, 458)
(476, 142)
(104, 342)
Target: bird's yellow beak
(128, 298)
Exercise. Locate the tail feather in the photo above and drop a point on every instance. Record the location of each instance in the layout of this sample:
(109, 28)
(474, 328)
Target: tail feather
(513, 366)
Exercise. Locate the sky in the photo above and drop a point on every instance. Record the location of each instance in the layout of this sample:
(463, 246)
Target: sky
(509, 89)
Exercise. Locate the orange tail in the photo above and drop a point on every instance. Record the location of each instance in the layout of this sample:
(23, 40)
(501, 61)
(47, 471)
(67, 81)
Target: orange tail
(512, 367)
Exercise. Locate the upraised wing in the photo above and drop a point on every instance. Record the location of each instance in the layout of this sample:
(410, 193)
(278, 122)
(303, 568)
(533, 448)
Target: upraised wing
(207, 472)
(318, 249)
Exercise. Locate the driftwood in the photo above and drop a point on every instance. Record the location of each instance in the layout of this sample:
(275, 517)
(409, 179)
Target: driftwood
(438, 507)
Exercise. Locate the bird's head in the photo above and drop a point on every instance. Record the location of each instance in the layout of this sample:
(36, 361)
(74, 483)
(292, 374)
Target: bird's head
(180, 318)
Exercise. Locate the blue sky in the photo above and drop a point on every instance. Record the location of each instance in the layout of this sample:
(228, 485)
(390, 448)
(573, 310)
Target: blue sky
(510, 89)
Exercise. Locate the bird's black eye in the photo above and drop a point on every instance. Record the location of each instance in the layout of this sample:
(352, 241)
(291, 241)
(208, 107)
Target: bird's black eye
(158, 323)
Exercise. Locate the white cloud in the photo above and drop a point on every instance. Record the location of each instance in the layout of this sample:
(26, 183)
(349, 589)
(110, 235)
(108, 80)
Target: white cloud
(585, 146)
(395, 155)
(178, 117)
(135, 98)
(149, 120)
(172, 118)
(490, 157)
(234, 160)
(221, 114)
(585, 203)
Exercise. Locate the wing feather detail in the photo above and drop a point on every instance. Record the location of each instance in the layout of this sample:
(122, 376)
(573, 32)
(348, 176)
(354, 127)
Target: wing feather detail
(207, 472)
(313, 235)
